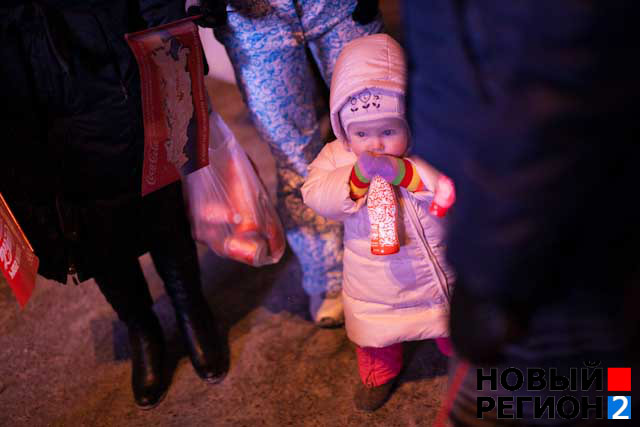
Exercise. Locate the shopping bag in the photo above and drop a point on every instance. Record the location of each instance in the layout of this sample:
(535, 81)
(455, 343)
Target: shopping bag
(229, 205)
(18, 263)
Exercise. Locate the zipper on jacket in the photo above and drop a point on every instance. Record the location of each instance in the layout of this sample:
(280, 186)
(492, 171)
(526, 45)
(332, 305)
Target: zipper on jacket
(73, 273)
(417, 225)
(124, 90)
(73, 236)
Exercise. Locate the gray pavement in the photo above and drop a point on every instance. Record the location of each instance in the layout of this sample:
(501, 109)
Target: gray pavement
(64, 361)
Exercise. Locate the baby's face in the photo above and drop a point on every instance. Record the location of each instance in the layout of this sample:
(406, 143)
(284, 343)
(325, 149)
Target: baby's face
(382, 136)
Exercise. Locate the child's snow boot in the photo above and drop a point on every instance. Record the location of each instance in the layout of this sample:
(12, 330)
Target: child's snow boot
(370, 398)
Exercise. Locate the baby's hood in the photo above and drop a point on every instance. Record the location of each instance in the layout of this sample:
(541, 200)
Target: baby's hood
(375, 61)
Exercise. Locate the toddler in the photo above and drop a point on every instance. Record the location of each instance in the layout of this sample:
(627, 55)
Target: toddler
(402, 295)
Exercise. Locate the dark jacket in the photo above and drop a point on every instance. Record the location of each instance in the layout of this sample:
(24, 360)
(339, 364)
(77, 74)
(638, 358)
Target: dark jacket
(73, 145)
(529, 107)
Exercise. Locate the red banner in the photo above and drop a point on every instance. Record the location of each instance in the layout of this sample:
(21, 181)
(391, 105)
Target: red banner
(18, 263)
(174, 102)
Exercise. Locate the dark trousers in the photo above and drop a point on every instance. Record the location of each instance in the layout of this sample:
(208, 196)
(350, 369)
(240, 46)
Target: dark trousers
(167, 236)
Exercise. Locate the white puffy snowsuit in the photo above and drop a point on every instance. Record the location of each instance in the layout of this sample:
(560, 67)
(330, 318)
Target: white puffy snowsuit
(391, 298)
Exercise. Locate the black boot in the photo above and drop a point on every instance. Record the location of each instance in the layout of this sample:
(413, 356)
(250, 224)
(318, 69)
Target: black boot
(125, 288)
(205, 344)
(176, 259)
(147, 361)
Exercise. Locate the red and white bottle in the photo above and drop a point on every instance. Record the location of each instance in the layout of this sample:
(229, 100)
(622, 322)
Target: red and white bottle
(383, 213)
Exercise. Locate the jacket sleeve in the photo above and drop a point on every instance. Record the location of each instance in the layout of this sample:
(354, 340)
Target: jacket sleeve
(158, 12)
(326, 189)
(429, 176)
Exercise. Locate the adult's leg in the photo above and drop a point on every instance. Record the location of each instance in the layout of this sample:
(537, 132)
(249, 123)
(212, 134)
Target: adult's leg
(174, 255)
(329, 28)
(275, 78)
(125, 288)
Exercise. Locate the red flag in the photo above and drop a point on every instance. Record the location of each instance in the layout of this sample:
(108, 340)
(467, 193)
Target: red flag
(174, 102)
(18, 263)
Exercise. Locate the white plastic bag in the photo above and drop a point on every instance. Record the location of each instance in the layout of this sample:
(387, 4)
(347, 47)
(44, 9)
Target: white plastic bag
(230, 207)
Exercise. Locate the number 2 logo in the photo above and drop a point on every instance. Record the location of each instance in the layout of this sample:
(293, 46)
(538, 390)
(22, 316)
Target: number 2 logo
(619, 408)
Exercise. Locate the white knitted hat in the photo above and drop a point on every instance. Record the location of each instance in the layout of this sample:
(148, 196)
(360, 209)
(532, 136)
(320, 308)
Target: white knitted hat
(372, 104)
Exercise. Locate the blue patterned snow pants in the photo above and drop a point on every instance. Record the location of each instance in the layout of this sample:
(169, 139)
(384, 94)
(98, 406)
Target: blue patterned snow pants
(266, 41)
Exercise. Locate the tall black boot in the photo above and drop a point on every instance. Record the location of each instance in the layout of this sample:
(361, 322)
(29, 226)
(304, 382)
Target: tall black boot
(205, 342)
(147, 360)
(125, 288)
(174, 254)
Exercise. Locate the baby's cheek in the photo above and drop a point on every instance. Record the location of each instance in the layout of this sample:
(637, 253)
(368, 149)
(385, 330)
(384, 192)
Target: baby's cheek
(356, 147)
(398, 147)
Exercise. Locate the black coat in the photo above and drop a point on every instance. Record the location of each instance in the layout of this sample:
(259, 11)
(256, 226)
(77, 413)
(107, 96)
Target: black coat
(73, 132)
(529, 107)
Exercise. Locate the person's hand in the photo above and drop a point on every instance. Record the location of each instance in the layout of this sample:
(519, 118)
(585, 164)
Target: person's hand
(370, 164)
(365, 11)
(214, 13)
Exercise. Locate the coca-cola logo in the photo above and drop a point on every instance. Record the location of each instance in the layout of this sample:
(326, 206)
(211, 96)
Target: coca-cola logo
(9, 261)
(152, 164)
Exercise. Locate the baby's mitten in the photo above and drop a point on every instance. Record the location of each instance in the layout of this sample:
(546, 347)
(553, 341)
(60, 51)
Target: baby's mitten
(445, 196)
(394, 170)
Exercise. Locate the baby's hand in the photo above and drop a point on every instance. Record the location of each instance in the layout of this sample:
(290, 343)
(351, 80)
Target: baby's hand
(370, 164)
